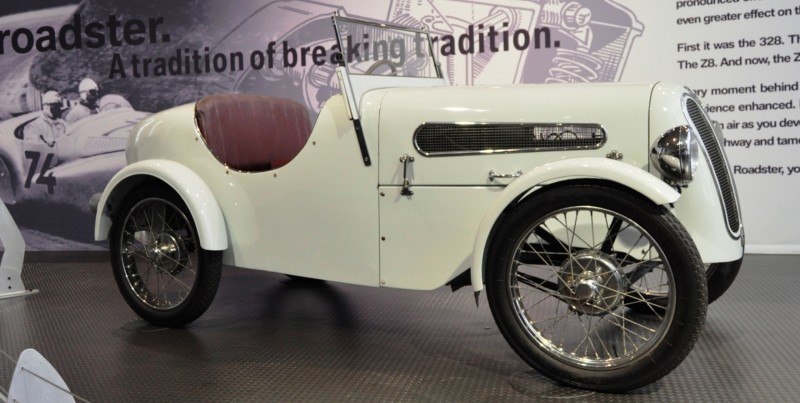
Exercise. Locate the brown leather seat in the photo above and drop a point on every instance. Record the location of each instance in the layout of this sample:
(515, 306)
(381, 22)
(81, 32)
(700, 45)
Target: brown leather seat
(252, 132)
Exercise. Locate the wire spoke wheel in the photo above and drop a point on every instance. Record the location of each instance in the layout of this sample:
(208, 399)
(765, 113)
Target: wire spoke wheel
(576, 305)
(158, 254)
(163, 273)
(595, 287)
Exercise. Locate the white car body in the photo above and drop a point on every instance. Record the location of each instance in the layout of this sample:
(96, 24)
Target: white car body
(327, 199)
(378, 196)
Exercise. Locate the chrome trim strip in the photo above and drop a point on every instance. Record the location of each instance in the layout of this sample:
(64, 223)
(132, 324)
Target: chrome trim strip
(202, 138)
(718, 138)
(596, 126)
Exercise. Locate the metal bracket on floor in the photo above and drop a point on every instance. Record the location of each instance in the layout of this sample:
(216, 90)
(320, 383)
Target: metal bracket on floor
(11, 265)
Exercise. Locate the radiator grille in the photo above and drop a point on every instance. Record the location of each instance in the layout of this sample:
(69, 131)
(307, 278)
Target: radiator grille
(716, 156)
(436, 139)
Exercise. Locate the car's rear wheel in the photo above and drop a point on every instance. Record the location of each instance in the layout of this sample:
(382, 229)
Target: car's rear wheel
(163, 273)
(563, 270)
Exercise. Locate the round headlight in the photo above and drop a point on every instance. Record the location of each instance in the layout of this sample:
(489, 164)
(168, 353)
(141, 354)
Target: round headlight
(675, 155)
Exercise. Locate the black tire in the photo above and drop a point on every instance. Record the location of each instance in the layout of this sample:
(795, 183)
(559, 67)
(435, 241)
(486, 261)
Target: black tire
(160, 268)
(592, 282)
(304, 280)
(720, 277)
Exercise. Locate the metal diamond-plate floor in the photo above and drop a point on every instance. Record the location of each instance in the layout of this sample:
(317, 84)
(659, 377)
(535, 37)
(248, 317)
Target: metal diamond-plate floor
(267, 338)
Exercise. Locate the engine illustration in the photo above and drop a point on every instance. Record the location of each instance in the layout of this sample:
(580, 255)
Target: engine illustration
(589, 40)
(498, 42)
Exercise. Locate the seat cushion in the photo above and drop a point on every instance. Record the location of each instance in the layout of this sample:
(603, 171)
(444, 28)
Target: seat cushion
(252, 132)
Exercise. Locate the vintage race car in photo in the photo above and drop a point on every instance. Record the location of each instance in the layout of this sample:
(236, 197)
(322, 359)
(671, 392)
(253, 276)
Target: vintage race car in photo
(600, 219)
(78, 165)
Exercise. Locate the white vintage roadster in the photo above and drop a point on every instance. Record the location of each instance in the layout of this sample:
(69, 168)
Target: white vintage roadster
(600, 219)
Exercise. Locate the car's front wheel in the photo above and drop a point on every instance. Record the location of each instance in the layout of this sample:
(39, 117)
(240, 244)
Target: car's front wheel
(719, 277)
(566, 266)
(163, 273)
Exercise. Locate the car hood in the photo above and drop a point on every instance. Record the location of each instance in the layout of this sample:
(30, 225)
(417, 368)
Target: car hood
(551, 103)
(622, 110)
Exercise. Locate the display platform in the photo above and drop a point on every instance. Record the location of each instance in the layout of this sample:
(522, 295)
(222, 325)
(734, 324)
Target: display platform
(268, 338)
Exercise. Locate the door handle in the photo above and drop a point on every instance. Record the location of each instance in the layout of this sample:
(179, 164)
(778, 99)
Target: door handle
(494, 175)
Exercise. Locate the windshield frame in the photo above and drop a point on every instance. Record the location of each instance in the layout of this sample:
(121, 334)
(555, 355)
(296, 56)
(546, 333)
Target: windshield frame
(335, 18)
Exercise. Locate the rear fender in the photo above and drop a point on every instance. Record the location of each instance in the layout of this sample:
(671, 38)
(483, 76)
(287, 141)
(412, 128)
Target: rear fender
(600, 169)
(205, 211)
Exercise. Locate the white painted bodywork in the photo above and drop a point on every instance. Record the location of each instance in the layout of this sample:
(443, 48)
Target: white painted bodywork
(429, 236)
(403, 110)
(699, 207)
(326, 215)
(192, 189)
(315, 217)
(558, 171)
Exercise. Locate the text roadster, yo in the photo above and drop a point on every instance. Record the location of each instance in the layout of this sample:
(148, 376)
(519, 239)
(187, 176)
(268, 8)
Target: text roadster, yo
(593, 215)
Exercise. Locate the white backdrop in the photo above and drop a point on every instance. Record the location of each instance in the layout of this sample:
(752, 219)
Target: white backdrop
(761, 143)
(741, 56)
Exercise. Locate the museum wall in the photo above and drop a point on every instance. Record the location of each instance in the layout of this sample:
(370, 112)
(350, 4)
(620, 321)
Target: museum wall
(740, 57)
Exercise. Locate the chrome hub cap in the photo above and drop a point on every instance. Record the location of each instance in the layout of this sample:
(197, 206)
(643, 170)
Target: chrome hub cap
(166, 253)
(591, 283)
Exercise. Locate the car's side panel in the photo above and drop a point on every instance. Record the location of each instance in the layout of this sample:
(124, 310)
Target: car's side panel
(599, 169)
(361, 83)
(315, 217)
(405, 109)
(427, 239)
(191, 188)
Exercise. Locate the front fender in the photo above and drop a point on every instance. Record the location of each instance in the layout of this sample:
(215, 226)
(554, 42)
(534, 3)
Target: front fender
(205, 211)
(591, 168)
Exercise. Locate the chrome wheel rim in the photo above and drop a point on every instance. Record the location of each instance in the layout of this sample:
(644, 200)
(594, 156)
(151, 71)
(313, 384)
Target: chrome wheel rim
(572, 279)
(158, 249)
